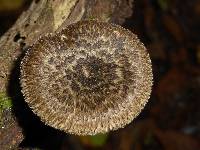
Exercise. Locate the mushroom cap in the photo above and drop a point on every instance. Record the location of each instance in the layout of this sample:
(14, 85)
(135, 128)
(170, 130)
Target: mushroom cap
(91, 77)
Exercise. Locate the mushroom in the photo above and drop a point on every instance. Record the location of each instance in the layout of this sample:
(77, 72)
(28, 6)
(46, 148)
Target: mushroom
(89, 78)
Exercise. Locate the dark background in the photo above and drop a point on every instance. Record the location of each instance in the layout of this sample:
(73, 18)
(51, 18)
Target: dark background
(170, 29)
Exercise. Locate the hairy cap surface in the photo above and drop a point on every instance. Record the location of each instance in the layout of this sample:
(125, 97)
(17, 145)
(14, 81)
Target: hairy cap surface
(92, 77)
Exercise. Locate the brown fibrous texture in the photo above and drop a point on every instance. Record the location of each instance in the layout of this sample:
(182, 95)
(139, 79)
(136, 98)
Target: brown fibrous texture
(91, 77)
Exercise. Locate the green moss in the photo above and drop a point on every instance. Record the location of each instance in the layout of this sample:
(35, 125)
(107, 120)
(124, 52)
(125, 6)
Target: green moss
(98, 140)
(5, 101)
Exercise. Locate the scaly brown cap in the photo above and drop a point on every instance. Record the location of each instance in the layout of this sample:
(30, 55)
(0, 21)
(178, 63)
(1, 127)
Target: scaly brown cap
(92, 77)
